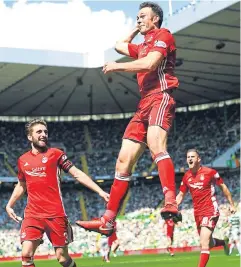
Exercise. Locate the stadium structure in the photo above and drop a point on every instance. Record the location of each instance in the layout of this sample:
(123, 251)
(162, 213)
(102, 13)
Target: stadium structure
(62, 84)
(70, 91)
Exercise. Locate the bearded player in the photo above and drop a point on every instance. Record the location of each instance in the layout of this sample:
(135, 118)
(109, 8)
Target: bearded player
(201, 181)
(39, 175)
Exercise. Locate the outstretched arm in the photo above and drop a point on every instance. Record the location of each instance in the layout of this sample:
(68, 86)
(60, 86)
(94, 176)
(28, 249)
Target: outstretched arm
(17, 194)
(228, 195)
(84, 179)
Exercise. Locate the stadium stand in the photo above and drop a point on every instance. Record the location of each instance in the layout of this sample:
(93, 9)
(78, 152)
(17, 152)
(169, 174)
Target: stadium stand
(205, 129)
(139, 228)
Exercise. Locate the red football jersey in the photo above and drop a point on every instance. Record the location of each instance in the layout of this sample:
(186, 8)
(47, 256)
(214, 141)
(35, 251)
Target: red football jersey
(163, 77)
(202, 189)
(41, 172)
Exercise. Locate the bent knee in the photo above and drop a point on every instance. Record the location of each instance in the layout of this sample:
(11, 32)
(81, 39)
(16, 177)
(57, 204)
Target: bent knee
(125, 163)
(205, 244)
(27, 253)
(157, 139)
(156, 146)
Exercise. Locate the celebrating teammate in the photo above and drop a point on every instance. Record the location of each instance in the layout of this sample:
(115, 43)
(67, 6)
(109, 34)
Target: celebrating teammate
(200, 181)
(154, 65)
(38, 174)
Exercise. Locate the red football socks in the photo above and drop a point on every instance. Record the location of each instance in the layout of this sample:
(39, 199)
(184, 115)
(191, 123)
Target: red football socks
(167, 175)
(117, 194)
(204, 257)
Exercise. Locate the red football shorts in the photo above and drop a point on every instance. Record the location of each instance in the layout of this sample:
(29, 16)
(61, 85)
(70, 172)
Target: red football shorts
(170, 231)
(156, 109)
(112, 239)
(206, 221)
(58, 230)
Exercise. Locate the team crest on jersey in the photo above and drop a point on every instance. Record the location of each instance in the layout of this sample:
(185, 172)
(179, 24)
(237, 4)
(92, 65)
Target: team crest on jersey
(202, 177)
(149, 39)
(44, 159)
(160, 44)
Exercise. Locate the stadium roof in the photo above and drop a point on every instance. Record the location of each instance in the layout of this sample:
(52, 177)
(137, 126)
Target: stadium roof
(208, 69)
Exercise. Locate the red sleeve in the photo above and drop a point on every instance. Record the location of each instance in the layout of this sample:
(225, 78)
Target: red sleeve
(164, 43)
(216, 177)
(183, 187)
(133, 50)
(21, 176)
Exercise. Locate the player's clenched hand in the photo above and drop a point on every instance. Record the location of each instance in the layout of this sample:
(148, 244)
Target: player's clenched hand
(109, 67)
(105, 195)
(12, 215)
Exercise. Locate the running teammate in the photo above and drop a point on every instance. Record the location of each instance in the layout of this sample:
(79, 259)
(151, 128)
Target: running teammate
(201, 181)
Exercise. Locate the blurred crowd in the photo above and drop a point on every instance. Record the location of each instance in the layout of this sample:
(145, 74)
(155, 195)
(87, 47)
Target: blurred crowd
(139, 228)
(212, 131)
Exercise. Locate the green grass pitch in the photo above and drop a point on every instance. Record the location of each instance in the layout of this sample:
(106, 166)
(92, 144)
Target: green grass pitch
(217, 259)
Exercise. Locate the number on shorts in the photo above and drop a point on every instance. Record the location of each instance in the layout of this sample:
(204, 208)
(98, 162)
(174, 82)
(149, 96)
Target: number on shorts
(205, 220)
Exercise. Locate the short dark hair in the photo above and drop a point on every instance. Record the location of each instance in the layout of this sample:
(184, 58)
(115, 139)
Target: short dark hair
(193, 150)
(155, 8)
(29, 125)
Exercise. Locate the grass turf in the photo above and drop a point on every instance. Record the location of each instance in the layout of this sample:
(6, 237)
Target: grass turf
(179, 260)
